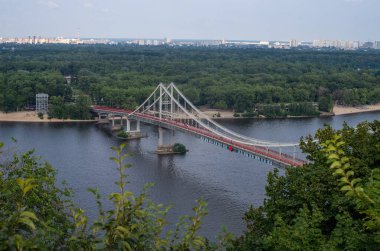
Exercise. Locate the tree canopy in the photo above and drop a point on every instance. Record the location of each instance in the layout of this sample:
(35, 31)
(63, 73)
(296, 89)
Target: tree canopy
(332, 203)
(233, 78)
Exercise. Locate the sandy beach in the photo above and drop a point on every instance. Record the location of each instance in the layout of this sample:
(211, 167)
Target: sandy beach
(340, 110)
(337, 110)
(31, 116)
(224, 114)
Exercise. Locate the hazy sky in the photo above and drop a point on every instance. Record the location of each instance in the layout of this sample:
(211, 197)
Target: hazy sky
(203, 19)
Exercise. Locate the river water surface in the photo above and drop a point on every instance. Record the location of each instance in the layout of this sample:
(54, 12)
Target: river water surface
(228, 181)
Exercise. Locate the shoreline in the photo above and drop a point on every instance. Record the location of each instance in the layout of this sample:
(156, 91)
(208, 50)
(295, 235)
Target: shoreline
(31, 117)
(344, 110)
(337, 110)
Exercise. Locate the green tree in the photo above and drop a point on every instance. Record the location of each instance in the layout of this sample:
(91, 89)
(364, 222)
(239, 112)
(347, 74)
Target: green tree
(220, 105)
(82, 107)
(33, 209)
(179, 148)
(34, 213)
(57, 108)
(325, 104)
(306, 209)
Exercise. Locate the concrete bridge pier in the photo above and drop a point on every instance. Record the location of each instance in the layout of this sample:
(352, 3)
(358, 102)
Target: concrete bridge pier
(138, 125)
(128, 125)
(161, 148)
(103, 118)
(133, 134)
(117, 122)
(160, 136)
(129, 128)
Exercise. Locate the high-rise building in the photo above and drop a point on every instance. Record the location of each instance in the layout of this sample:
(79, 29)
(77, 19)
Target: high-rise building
(341, 44)
(367, 45)
(376, 45)
(294, 43)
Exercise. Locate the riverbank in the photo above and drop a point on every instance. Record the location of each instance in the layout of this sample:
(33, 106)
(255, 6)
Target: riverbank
(341, 110)
(227, 114)
(337, 110)
(31, 116)
(219, 114)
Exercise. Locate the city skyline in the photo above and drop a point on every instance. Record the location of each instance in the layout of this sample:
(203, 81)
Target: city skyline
(272, 20)
(318, 44)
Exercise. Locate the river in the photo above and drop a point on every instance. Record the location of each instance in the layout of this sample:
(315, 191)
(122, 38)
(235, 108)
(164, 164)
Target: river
(228, 181)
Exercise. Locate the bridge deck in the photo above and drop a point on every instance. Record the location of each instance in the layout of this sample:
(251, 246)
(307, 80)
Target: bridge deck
(277, 157)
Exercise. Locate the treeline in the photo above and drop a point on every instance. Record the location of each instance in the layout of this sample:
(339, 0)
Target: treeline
(233, 78)
(80, 109)
(292, 109)
(18, 89)
(331, 203)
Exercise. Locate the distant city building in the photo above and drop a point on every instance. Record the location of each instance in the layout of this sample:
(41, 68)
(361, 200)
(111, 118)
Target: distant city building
(294, 43)
(332, 44)
(376, 45)
(57, 40)
(279, 45)
(42, 103)
(341, 44)
(367, 45)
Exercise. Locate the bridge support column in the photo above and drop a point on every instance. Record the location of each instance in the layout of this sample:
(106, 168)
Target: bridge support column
(161, 148)
(132, 134)
(117, 122)
(128, 125)
(160, 136)
(103, 118)
(171, 136)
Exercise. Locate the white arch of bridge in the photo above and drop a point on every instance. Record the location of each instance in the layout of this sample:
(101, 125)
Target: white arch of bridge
(168, 102)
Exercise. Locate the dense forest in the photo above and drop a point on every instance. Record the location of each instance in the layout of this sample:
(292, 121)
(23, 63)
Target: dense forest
(332, 203)
(244, 79)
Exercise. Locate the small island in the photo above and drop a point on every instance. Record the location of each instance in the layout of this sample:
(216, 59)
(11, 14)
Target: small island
(177, 148)
(124, 135)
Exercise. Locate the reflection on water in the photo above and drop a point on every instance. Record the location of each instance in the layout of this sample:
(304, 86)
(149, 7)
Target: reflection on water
(228, 181)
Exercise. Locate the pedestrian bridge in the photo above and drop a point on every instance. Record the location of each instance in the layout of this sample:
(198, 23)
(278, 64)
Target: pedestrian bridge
(168, 108)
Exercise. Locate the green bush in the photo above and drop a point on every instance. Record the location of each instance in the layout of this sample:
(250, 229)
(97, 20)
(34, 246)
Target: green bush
(34, 211)
(35, 214)
(331, 203)
(249, 114)
(122, 134)
(179, 148)
(325, 104)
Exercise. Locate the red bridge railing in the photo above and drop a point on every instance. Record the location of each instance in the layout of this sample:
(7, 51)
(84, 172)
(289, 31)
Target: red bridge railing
(265, 152)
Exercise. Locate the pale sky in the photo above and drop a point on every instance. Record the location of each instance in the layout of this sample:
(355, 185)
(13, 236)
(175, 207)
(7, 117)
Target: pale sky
(193, 19)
